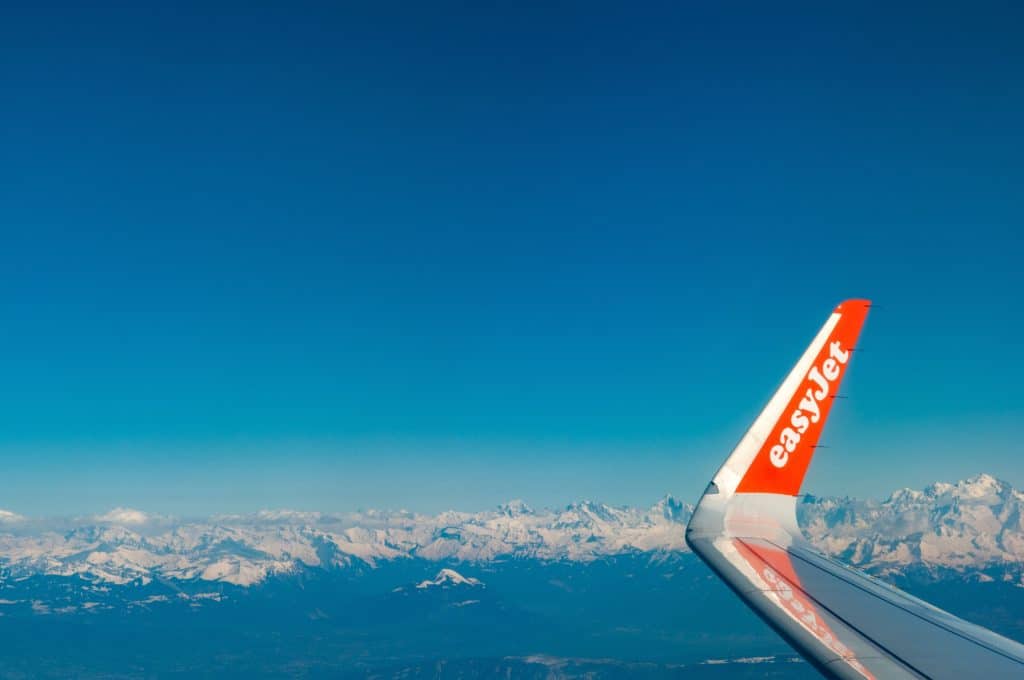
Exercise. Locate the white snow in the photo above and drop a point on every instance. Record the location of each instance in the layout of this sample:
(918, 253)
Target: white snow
(447, 578)
(970, 526)
(967, 526)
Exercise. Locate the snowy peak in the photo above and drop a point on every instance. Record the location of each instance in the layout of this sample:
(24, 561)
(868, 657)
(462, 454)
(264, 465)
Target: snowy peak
(589, 513)
(515, 508)
(449, 578)
(968, 526)
(980, 487)
(671, 509)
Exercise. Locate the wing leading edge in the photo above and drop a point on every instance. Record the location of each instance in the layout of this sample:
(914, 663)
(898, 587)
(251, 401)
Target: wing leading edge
(846, 623)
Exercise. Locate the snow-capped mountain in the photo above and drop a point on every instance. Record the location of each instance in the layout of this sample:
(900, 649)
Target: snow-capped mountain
(449, 578)
(972, 527)
(126, 545)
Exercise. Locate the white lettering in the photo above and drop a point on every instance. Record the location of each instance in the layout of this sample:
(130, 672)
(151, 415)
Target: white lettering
(830, 368)
(809, 404)
(817, 378)
(837, 353)
(809, 408)
(790, 439)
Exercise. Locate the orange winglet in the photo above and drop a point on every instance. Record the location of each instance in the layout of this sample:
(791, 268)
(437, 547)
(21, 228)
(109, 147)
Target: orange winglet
(781, 463)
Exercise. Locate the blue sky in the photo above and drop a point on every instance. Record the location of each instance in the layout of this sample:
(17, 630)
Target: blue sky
(330, 258)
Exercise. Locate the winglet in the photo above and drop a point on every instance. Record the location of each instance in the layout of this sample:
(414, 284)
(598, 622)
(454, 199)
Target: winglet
(774, 454)
(745, 529)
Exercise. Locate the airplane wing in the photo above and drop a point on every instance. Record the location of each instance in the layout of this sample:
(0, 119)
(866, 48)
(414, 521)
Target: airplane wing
(846, 623)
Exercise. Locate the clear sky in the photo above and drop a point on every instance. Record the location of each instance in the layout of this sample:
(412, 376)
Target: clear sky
(433, 256)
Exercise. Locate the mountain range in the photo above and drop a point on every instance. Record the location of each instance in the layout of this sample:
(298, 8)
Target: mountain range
(971, 529)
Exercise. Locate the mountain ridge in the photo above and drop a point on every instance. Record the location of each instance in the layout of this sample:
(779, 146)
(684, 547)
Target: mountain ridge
(973, 528)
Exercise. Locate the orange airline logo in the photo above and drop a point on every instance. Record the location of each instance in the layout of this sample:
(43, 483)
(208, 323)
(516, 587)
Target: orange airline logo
(809, 408)
(780, 465)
